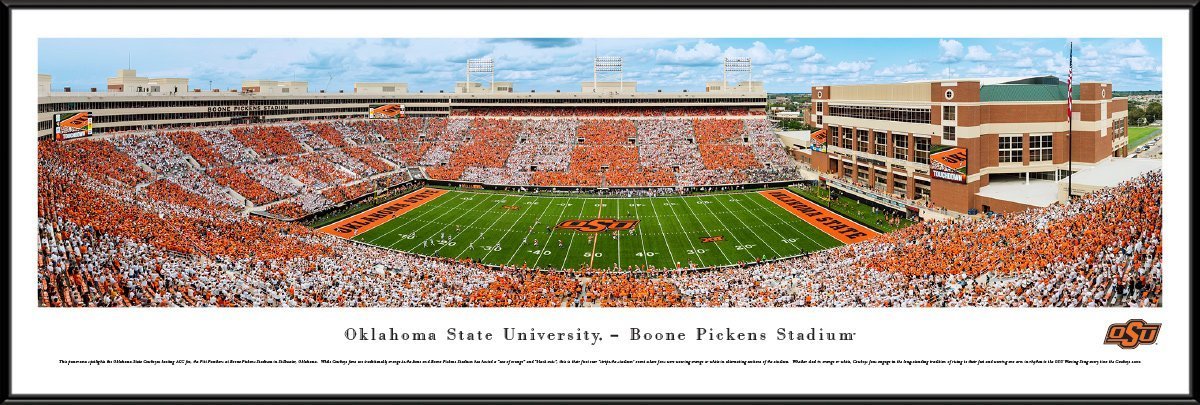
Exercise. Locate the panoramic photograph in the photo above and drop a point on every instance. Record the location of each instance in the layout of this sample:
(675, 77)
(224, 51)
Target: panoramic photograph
(582, 172)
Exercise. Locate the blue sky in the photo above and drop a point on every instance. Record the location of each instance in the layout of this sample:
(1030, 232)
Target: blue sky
(547, 64)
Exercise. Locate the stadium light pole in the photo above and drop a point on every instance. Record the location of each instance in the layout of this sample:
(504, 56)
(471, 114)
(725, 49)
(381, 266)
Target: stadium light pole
(608, 67)
(485, 66)
(736, 67)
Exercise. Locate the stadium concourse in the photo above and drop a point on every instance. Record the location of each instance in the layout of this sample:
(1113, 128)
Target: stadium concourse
(160, 218)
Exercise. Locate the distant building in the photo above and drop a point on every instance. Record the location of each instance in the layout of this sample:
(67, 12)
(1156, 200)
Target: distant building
(610, 87)
(43, 85)
(380, 88)
(127, 81)
(478, 87)
(742, 87)
(274, 87)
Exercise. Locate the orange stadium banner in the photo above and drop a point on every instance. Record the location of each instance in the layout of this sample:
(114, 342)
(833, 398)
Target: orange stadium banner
(949, 163)
(72, 125)
(363, 222)
(386, 111)
(835, 225)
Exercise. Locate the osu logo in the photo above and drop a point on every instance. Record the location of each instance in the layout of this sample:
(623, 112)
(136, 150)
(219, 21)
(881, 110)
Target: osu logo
(710, 239)
(1130, 334)
(956, 157)
(599, 225)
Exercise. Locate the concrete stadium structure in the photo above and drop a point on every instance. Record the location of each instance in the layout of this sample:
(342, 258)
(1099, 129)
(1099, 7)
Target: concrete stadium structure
(269, 101)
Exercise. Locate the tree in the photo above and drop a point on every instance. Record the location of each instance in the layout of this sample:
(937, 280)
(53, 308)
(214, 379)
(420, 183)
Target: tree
(794, 125)
(1136, 115)
(1154, 112)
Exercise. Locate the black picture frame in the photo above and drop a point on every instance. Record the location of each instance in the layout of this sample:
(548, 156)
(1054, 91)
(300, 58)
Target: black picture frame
(864, 5)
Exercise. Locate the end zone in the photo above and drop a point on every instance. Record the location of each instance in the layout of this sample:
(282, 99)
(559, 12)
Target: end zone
(837, 226)
(364, 221)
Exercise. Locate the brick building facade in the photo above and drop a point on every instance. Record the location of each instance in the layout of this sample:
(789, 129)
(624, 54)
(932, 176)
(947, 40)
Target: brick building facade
(881, 136)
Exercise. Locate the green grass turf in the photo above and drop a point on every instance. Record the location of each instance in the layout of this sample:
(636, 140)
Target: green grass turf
(475, 225)
(1139, 135)
(851, 208)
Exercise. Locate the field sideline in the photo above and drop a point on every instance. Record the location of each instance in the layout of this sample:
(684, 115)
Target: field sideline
(523, 230)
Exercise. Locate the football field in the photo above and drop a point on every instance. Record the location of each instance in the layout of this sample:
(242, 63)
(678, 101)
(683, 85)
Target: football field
(565, 232)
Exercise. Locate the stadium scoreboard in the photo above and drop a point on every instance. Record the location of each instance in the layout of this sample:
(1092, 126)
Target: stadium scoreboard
(949, 163)
(72, 125)
(385, 111)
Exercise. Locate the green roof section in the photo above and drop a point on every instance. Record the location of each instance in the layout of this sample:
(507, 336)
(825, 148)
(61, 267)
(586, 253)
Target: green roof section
(1026, 92)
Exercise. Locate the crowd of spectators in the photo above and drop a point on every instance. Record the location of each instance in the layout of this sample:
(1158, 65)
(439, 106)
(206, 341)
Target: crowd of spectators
(146, 219)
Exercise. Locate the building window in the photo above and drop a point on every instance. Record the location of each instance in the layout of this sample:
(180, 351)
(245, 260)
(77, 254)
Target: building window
(949, 94)
(819, 119)
(916, 115)
(900, 146)
(1041, 148)
(848, 138)
(948, 133)
(1011, 149)
(863, 139)
(922, 150)
(881, 143)
(948, 112)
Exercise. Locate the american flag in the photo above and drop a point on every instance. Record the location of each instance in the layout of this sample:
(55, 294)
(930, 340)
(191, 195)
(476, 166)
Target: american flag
(1070, 74)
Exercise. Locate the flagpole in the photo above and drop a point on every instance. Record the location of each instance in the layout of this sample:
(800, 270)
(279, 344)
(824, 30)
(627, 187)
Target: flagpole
(1070, 119)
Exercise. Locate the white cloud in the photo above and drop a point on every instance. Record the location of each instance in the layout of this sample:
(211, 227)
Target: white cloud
(1056, 65)
(1141, 64)
(1043, 52)
(758, 53)
(952, 51)
(853, 66)
(247, 54)
(1005, 53)
(905, 70)
(803, 52)
(1134, 48)
(1024, 62)
(983, 71)
(977, 53)
(699, 54)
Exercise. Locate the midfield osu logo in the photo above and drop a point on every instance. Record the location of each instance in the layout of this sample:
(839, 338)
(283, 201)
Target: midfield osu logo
(599, 225)
(1130, 334)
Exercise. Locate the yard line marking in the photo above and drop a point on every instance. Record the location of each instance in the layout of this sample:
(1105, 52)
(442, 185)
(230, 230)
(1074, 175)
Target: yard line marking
(567, 254)
(481, 233)
(717, 245)
(698, 257)
(791, 224)
(537, 221)
(596, 237)
(618, 238)
(398, 227)
(760, 239)
(447, 225)
(556, 221)
(369, 219)
(507, 233)
(642, 238)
